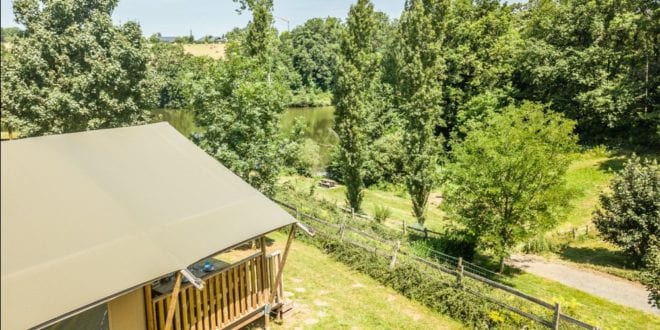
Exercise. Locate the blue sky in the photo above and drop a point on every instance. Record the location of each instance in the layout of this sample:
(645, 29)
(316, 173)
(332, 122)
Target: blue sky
(215, 17)
(178, 17)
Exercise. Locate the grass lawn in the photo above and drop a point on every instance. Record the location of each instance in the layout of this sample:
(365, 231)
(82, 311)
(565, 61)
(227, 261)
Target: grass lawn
(329, 295)
(588, 176)
(591, 309)
(398, 202)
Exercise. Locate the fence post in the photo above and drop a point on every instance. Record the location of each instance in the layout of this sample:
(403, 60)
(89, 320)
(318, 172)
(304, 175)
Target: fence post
(586, 228)
(404, 227)
(342, 228)
(574, 233)
(426, 233)
(459, 273)
(555, 320)
(394, 253)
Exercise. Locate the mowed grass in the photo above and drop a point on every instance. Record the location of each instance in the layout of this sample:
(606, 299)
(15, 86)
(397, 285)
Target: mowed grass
(591, 309)
(329, 295)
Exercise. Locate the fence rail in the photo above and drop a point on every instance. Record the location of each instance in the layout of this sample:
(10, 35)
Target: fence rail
(454, 266)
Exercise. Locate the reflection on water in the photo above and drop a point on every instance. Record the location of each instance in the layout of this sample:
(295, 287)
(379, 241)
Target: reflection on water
(320, 122)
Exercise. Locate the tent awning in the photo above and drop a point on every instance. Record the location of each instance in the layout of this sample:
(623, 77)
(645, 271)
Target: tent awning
(88, 215)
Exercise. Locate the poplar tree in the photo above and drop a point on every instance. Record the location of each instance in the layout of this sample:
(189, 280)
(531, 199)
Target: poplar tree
(354, 92)
(418, 88)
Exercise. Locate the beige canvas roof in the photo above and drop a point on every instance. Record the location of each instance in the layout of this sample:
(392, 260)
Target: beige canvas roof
(88, 215)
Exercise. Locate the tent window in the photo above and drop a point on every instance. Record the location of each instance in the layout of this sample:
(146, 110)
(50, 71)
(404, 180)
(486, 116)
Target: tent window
(93, 319)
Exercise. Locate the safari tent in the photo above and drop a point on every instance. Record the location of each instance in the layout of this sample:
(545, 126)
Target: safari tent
(122, 228)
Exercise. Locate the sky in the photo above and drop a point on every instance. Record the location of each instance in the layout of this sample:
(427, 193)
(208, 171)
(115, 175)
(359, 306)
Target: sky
(216, 17)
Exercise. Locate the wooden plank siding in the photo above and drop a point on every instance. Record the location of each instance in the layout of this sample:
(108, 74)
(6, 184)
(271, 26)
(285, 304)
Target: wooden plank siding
(228, 298)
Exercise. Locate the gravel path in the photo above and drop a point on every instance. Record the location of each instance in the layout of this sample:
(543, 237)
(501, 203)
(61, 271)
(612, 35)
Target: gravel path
(606, 286)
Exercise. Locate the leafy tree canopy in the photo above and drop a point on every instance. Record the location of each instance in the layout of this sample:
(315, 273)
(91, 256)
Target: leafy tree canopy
(74, 70)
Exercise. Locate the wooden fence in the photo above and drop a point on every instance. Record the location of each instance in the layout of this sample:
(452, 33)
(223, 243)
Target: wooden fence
(231, 296)
(394, 249)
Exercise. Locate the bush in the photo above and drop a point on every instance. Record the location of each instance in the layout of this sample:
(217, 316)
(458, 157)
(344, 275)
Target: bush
(630, 215)
(540, 244)
(381, 213)
(651, 275)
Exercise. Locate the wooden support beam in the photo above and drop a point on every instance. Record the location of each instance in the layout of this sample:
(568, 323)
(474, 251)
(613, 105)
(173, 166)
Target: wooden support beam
(150, 307)
(173, 301)
(278, 278)
(264, 279)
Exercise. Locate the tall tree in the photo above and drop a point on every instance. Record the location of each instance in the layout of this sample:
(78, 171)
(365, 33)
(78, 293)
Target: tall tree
(419, 76)
(354, 95)
(506, 181)
(241, 103)
(74, 70)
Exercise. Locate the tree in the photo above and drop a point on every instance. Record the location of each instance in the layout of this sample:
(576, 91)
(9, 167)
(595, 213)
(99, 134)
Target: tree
(240, 105)
(506, 181)
(74, 70)
(314, 51)
(480, 54)
(630, 215)
(419, 76)
(356, 79)
(597, 62)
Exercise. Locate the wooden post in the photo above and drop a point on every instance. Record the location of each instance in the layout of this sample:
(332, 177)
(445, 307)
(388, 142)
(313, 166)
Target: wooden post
(404, 228)
(574, 233)
(426, 233)
(150, 307)
(555, 320)
(278, 278)
(394, 253)
(459, 274)
(173, 301)
(586, 228)
(342, 229)
(264, 279)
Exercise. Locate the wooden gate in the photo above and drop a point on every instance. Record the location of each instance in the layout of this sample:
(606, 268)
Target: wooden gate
(229, 296)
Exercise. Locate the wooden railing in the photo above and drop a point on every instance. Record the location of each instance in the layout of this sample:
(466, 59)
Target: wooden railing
(228, 297)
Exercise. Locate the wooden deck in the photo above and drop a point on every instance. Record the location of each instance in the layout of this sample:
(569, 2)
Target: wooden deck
(231, 297)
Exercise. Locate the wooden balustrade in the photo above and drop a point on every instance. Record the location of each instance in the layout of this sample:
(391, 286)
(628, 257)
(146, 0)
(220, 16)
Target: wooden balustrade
(228, 297)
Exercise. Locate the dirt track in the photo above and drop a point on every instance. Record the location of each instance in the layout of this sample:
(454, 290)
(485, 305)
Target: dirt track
(606, 286)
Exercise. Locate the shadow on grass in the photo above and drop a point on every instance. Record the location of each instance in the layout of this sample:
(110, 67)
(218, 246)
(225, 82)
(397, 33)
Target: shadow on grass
(596, 256)
(613, 164)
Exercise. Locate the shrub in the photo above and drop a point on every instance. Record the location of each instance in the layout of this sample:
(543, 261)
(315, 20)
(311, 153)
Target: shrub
(651, 275)
(540, 244)
(630, 215)
(429, 288)
(382, 213)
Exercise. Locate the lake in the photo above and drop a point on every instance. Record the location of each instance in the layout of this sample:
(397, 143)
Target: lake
(320, 122)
